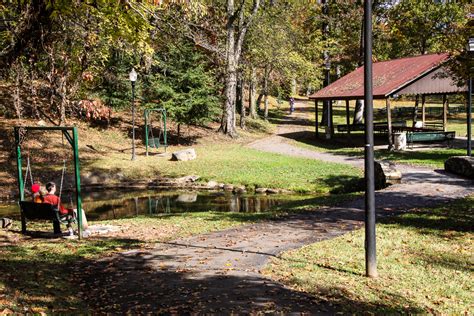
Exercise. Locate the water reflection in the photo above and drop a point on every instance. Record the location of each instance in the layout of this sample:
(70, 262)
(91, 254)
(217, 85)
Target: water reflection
(178, 203)
(114, 205)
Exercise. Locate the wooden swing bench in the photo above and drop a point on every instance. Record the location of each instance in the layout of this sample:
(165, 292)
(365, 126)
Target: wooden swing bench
(43, 211)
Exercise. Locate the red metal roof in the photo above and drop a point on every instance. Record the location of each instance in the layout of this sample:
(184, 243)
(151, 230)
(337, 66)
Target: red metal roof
(388, 77)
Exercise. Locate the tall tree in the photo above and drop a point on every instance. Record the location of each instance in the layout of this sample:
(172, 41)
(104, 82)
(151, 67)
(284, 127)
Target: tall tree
(237, 24)
(419, 27)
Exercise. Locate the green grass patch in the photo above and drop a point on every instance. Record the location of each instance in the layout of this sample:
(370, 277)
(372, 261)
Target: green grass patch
(236, 164)
(430, 158)
(424, 263)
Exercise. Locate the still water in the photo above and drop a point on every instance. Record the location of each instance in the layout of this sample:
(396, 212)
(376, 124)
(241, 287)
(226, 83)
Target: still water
(114, 205)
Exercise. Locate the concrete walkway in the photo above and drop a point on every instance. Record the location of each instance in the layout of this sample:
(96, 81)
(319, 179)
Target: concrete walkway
(219, 272)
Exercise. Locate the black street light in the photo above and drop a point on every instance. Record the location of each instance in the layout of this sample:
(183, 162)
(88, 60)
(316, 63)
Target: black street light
(370, 252)
(470, 50)
(133, 77)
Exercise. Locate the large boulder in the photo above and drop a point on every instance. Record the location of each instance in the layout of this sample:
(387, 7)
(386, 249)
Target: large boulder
(5, 223)
(461, 165)
(386, 174)
(187, 197)
(261, 190)
(184, 155)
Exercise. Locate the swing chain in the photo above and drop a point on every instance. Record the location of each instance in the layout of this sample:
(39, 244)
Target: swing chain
(27, 172)
(62, 180)
(22, 134)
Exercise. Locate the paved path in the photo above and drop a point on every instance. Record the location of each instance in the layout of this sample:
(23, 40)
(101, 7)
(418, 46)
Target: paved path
(219, 272)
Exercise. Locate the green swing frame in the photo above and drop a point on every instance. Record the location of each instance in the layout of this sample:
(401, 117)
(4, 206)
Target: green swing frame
(146, 114)
(70, 133)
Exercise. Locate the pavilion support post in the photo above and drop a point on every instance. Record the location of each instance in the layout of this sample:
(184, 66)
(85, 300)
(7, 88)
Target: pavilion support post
(348, 119)
(331, 118)
(423, 110)
(316, 123)
(389, 124)
(415, 110)
(445, 113)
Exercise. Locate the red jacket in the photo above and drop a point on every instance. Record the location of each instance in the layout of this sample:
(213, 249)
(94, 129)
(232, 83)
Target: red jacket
(54, 200)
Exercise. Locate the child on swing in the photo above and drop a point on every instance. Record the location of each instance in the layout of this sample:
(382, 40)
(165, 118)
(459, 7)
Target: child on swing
(37, 194)
(53, 199)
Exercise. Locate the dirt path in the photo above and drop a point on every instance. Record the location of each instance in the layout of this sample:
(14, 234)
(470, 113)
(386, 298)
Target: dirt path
(219, 272)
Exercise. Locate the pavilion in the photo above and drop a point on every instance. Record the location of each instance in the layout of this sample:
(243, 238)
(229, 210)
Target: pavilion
(416, 76)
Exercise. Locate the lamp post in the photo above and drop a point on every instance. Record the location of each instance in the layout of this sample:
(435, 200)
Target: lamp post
(470, 50)
(370, 252)
(327, 71)
(133, 77)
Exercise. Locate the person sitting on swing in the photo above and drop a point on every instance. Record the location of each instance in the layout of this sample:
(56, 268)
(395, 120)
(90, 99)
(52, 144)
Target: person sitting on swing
(36, 191)
(53, 199)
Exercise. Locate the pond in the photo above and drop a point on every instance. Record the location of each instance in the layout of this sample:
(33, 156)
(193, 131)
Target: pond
(115, 205)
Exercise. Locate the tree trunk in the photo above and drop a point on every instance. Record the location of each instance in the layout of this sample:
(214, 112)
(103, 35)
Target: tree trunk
(293, 86)
(252, 93)
(325, 114)
(358, 112)
(265, 92)
(259, 102)
(265, 107)
(34, 97)
(16, 93)
(178, 133)
(63, 100)
(231, 83)
(240, 100)
(236, 27)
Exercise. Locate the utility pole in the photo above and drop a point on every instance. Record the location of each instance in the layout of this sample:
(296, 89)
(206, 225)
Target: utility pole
(469, 117)
(370, 249)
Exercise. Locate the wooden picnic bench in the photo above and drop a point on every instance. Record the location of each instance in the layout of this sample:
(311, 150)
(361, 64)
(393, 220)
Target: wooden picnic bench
(43, 211)
(378, 127)
(434, 125)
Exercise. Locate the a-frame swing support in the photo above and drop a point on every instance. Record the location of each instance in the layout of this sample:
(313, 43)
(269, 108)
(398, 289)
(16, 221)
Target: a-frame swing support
(147, 121)
(73, 141)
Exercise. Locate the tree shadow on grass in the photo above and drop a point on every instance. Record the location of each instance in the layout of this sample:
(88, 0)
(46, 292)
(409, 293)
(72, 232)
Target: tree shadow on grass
(457, 262)
(344, 184)
(38, 273)
(457, 217)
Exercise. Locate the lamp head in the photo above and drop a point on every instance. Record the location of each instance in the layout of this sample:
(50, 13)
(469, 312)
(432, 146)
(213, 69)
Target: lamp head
(470, 45)
(133, 75)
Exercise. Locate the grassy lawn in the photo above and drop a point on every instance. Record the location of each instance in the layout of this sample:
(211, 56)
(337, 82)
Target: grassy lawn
(236, 164)
(424, 263)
